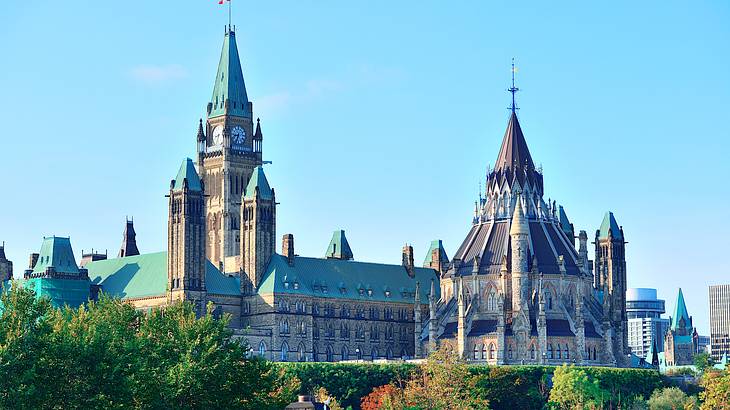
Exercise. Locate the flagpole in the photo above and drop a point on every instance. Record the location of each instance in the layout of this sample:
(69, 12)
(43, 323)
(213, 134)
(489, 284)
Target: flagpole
(229, 14)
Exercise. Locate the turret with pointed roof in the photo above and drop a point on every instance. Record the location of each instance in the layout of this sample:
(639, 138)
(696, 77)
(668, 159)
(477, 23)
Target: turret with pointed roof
(258, 228)
(186, 235)
(339, 248)
(6, 266)
(129, 241)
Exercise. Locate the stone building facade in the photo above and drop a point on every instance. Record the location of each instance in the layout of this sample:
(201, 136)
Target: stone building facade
(517, 290)
(678, 342)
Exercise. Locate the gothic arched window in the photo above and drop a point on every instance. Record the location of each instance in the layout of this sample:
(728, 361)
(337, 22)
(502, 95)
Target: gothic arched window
(301, 353)
(374, 353)
(262, 349)
(491, 351)
(484, 351)
(345, 353)
(509, 352)
(330, 355)
(284, 351)
(476, 351)
(389, 354)
(532, 352)
(560, 355)
(550, 351)
(567, 354)
(492, 300)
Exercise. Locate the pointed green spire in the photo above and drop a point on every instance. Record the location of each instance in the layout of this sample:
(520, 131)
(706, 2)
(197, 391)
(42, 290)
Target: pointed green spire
(187, 172)
(229, 85)
(437, 244)
(609, 224)
(258, 180)
(680, 311)
(339, 248)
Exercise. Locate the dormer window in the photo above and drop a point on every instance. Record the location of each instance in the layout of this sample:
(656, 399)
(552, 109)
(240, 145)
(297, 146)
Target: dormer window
(387, 293)
(296, 285)
(370, 292)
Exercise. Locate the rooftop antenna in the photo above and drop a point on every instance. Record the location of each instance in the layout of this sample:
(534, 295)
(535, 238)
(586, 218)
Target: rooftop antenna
(514, 89)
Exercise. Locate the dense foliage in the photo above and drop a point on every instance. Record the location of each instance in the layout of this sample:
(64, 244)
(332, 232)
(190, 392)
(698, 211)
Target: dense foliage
(108, 355)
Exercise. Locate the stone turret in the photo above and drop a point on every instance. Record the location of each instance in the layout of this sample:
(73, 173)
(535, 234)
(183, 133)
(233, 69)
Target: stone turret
(186, 238)
(129, 241)
(6, 266)
(417, 322)
(519, 232)
(461, 325)
(258, 227)
(541, 324)
(407, 257)
(432, 317)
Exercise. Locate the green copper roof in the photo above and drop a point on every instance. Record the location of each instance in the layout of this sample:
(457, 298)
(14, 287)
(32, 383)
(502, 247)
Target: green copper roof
(187, 171)
(339, 248)
(609, 224)
(56, 251)
(437, 244)
(564, 221)
(229, 85)
(343, 279)
(146, 276)
(258, 179)
(680, 311)
(61, 292)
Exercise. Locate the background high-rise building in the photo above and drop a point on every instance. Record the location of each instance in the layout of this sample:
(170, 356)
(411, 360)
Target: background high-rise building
(646, 326)
(719, 320)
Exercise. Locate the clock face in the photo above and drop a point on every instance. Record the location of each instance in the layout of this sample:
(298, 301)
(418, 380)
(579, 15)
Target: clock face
(239, 135)
(218, 135)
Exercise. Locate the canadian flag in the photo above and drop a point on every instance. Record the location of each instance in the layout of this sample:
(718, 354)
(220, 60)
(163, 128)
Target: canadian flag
(222, 1)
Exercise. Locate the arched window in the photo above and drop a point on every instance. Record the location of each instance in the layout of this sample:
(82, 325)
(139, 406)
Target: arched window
(476, 351)
(284, 351)
(389, 354)
(330, 355)
(532, 352)
(484, 351)
(314, 353)
(301, 353)
(284, 326)
(358, 352)
(560, 355)
(509, 352)
(403, 353)
(567, 354)
(492, 355)
(492, 300)
(548, 300)
(550, 351)
(345, 353)
(594, 352)
(262, 349)
(374, 353)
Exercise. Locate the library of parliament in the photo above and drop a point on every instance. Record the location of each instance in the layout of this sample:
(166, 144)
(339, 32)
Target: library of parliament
(517, 290)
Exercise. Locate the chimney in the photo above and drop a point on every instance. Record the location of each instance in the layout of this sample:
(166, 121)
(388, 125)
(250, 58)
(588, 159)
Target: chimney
(33, 260)
(408, 260)
(287, 248)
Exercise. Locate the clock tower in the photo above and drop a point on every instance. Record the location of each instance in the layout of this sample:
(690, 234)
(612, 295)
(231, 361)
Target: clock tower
(228, 153)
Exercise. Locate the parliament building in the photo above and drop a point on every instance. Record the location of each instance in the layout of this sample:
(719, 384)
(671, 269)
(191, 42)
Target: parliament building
(518, 289)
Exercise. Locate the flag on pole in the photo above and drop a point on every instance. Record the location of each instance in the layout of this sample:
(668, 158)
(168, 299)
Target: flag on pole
(222, 1)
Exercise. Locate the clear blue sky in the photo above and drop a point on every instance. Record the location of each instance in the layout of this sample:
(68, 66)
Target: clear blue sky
(380, 118)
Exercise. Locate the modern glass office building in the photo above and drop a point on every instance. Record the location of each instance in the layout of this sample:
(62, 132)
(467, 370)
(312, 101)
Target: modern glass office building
(646, 326)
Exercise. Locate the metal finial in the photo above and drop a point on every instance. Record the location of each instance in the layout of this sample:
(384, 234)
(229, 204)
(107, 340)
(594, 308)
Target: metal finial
(514, 89)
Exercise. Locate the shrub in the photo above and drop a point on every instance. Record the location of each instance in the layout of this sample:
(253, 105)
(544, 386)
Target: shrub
(671, 398)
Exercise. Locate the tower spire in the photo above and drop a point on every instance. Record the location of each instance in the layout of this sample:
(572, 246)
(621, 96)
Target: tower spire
(513, 89)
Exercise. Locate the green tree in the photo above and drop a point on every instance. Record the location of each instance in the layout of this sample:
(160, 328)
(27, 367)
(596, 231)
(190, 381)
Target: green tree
(717, 390)
(25, 325)
(671, 398)
(703, 361)
(443, 382)
(574, 389)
